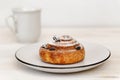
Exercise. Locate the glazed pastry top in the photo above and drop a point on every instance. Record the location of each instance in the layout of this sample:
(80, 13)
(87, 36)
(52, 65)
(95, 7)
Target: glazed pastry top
(63, 42)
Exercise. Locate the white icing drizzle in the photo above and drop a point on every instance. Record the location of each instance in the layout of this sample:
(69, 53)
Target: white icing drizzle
(66, 41)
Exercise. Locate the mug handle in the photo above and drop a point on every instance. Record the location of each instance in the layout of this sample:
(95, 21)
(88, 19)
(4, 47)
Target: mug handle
(12, 28)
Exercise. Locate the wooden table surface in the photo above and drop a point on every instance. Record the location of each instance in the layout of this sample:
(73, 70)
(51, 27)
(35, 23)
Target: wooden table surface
(10, 69)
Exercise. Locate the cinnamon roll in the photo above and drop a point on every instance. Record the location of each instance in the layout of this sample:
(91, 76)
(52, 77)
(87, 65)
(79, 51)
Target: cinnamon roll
(63, 50)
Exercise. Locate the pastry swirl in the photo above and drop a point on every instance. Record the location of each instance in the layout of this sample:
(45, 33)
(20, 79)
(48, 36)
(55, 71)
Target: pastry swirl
(64, 50)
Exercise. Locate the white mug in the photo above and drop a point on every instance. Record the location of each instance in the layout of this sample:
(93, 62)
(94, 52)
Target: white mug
(26, 24)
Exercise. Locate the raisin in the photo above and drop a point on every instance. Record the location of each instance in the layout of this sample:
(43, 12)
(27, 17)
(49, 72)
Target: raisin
(44, 46)
(52, 48)
(78, 47)
(56, 39)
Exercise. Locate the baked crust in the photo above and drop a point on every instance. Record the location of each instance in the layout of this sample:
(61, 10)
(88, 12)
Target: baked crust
(62, 53)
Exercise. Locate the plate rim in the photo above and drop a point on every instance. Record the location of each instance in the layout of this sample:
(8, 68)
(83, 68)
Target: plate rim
(33, 65)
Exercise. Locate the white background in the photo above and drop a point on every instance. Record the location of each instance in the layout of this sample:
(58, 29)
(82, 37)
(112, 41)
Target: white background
(77, 13)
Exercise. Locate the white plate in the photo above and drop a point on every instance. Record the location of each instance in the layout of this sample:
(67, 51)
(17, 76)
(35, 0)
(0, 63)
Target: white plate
(94, 55)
